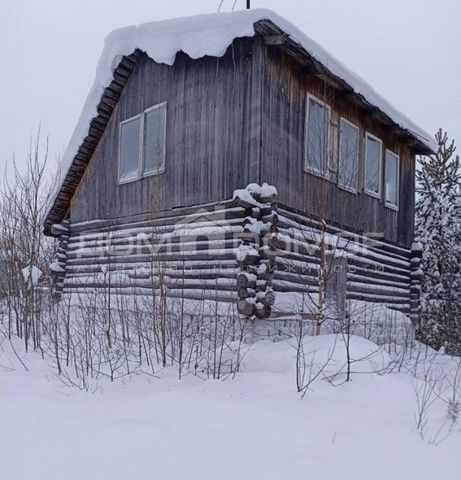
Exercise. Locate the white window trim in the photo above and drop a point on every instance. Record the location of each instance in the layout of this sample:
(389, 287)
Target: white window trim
(162, 168)
(308, 168)
(332, 160)
(128, 120)
(387, 202)
(380, 187)
(349, 188)
(140, 174)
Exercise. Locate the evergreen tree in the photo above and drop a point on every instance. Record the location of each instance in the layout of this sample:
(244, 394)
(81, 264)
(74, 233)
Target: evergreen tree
(438, 228)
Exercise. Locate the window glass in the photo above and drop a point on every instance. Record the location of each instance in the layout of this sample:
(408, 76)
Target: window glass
(373, 165)
(348, 155)
(392, 178)
(129, 149)
(318, 119)
(154, 139)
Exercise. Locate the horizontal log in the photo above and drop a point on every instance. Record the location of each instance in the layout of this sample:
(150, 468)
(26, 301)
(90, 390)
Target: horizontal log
(291, 287)
(373, 298)
(290, 240)
(217, 256)
(295, 278)
(212, 296)
(378, 290)
(296, 218)
(59, 229)
(379, 278)
(171, 239)
(215, 213)
(147, 272)
(154, 283)
(157, 252)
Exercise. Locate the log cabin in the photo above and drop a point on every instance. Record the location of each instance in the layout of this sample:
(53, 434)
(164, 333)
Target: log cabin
(234, 155)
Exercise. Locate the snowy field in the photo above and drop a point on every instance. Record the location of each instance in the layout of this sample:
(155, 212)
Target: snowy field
(253, 426)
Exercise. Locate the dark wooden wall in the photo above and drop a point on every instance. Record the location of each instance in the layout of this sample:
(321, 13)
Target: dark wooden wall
(285, 84)
(232, 121)
(213, 136)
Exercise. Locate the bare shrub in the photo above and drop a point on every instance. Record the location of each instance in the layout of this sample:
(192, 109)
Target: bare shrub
(25, 251)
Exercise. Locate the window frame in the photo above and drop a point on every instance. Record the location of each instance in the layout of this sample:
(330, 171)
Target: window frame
(347, 188)
(141, 151)
(308, 168)
(388, 203)
(143, 158)
(128, 120)
(378, 194)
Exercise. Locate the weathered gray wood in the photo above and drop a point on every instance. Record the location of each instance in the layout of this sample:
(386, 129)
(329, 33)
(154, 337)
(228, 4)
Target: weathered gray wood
(213, 136)
(231, 121)
(284, 96)
(204, 264)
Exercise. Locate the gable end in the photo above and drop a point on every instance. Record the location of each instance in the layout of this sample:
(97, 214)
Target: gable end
(106, 106)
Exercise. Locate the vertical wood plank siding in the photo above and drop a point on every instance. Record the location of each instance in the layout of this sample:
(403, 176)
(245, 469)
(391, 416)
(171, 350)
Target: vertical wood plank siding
(213, 135)
(285, 84)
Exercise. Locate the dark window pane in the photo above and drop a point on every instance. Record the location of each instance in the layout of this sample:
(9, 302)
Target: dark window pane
(373, 165)
(348, 155)
(392, 178)
(317, 135)
(129, 150)
(154, 140)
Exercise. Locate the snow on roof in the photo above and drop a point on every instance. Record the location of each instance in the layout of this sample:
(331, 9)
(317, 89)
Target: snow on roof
(210, 35)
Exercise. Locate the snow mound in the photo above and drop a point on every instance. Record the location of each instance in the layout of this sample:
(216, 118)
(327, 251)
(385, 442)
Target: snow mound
(210, 35)
(323, 350)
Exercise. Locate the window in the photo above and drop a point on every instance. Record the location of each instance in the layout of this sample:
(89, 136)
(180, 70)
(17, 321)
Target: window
(154, 139)
(348, 155)
(317, 133)
(392, 180)
(129, 149)
(142, 144)
(373, 161)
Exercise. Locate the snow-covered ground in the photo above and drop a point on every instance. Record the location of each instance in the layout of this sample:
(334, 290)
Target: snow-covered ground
(250, 427)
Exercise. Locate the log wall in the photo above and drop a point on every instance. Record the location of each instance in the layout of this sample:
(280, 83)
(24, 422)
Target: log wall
(374, 271)
(190, 252)
(196, 253)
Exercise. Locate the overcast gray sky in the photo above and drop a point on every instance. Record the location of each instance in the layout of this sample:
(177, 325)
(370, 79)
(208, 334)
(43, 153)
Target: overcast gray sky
(408, 50)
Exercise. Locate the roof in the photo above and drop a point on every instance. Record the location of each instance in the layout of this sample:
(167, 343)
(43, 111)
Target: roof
(197, 36)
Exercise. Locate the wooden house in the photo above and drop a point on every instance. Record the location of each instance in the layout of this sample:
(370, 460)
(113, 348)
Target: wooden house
(236, 155)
